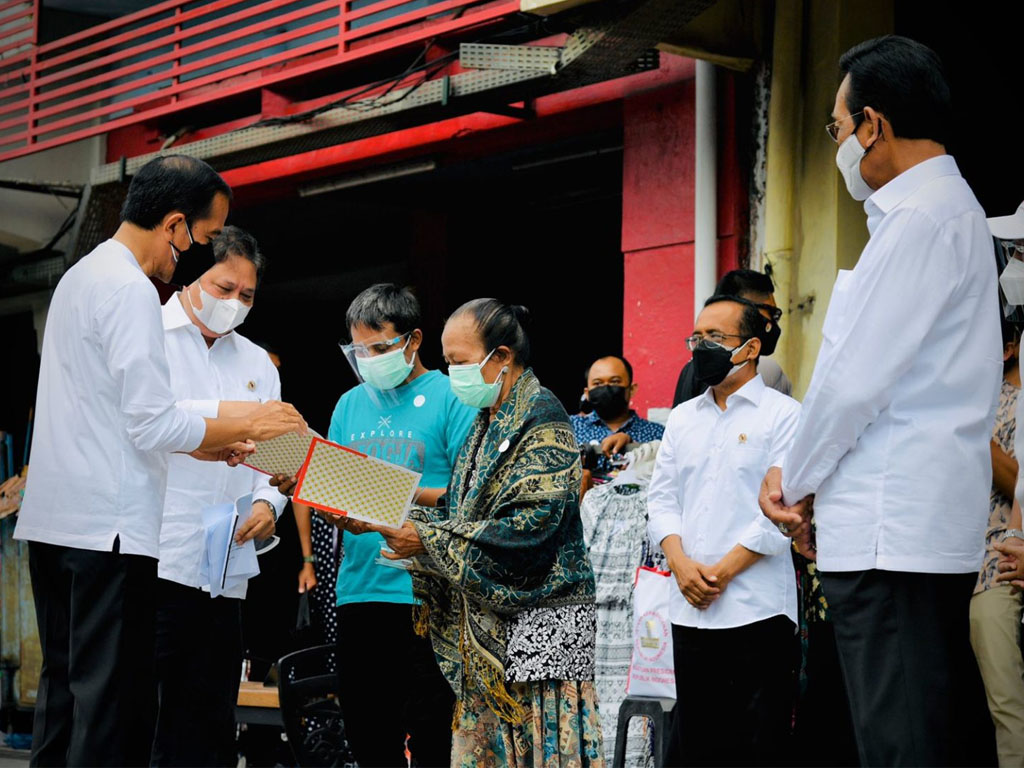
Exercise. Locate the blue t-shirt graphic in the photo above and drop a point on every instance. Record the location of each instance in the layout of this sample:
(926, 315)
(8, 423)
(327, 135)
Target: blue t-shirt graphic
(422, 427)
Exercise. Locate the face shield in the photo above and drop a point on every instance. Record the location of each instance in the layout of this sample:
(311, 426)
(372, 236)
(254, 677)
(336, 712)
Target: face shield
(1010, 266)
(383, 364)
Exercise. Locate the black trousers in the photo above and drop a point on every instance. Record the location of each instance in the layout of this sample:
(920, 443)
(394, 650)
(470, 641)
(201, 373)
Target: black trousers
(199, 664)
(403, 693)
(915, 693)
(735, 691)
(97, 691)
(823, 729)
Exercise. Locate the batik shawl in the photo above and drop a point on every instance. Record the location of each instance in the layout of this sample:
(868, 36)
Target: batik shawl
(506, 537)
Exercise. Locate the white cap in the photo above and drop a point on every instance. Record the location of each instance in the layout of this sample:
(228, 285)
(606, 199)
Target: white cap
(1008, 227)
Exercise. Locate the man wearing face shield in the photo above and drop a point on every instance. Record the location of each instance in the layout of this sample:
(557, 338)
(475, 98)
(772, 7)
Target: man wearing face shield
(403, 413)
(214, 371)
(894, 439)
(734, 613)
(106, 419)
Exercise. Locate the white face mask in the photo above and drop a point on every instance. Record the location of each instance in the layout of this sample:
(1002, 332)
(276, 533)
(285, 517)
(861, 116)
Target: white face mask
(1012, 282)
(848, 160)
(219, 315)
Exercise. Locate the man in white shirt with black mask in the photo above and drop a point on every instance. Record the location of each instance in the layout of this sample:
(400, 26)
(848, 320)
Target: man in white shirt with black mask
(214, 371)
(894, 437)
(105, 421)
(734, 615)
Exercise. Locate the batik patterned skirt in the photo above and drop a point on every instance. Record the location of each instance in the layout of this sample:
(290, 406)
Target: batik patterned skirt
(561, 730)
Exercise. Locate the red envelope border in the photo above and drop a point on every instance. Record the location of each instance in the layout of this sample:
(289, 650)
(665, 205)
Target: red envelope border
(296, 495)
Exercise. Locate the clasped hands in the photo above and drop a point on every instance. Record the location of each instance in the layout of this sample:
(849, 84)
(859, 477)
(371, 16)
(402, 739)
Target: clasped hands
(1011, 564)
(793, 521)
(700, 584)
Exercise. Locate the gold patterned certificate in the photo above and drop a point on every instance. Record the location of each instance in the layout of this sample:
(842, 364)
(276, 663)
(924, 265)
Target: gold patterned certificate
(284, 455)
(341, 481)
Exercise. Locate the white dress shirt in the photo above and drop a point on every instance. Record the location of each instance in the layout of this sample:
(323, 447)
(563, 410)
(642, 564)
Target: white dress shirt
(232, 369)
(705, 486)
(894, 435)
(105, 416)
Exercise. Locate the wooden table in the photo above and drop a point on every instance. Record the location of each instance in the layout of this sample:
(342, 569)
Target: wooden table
(258, 704)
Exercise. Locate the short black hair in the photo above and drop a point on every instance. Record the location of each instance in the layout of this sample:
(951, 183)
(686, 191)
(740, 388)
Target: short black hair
(905, 81)
(384, 303)
(172, 183)
(235, 241)
(500, 325)
(742, 282)
(753, 324)
(620, 358)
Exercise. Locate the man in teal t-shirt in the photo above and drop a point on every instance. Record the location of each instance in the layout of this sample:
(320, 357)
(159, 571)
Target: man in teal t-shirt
(405, 414)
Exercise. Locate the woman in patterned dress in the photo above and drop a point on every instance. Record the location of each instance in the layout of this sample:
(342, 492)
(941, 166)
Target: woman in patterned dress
(501, 568)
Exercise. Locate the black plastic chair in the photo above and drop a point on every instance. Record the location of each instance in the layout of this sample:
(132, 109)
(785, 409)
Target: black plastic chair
(308, 689)
(658, 711)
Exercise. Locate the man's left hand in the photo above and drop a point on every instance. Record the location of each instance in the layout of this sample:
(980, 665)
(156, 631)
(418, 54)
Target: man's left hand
(259, 526)
(233, 454)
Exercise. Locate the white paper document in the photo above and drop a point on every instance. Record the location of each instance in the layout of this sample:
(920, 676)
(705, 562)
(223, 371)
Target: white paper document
(226, 564)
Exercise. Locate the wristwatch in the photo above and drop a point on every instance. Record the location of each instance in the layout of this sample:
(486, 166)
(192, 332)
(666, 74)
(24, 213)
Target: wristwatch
(309, 558)
(1012, 533)
(271, 507)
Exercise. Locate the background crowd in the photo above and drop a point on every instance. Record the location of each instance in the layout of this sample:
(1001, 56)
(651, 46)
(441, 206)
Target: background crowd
(847, 569)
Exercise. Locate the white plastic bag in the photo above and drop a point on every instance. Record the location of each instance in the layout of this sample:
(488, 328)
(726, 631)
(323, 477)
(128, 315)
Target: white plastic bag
(652, 671)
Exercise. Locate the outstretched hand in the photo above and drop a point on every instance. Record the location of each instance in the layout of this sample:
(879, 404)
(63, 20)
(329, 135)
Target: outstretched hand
(233, 454)
(285, 484)
(404, 542)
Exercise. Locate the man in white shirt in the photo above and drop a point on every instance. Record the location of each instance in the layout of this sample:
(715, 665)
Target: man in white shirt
(199, 644)
(894, 436)
(757, 287)
(734, 617)
(105, 421)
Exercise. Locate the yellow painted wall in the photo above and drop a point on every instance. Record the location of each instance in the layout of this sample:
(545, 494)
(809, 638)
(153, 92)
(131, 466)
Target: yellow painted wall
(813, 228)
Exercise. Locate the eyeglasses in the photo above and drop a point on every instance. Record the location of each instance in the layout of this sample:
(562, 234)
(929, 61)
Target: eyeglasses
(774, 313)
(373, 348)
(714, 337)
(833, 128)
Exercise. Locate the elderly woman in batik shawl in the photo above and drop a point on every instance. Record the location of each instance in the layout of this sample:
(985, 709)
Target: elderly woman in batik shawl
(500, 567)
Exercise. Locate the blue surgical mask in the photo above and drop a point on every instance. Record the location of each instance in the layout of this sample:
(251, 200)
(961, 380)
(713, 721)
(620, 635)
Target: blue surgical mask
(469, 386)
(386, 371)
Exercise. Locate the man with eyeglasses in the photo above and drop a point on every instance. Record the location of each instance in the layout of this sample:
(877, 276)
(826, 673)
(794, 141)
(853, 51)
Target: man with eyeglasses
(405, 414)
(894, 438)
(734, 615)
(758, 288)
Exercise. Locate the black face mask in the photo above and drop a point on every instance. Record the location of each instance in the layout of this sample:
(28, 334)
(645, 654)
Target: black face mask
(609, 400)
(770, 339)
(193, 261)
(712, 364)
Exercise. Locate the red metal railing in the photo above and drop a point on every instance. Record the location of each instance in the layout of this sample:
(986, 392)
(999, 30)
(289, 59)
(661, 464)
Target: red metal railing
(177, 55)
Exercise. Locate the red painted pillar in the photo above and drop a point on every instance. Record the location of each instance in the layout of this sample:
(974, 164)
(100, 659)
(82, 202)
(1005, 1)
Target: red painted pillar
(657, 239)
